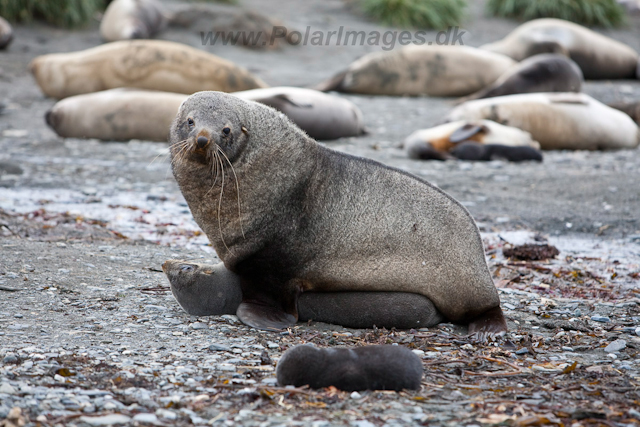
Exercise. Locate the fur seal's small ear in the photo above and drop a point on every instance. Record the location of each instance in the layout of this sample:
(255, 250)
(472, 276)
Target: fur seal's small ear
(245, 130)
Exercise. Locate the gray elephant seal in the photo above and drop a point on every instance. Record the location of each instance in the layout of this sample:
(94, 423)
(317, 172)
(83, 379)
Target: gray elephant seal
(598, 56)
(322, 116)
(558, 121)
(473, 151)
(116, 115)
(373, 367)
(132, 19)
(539, 73)
(143, 64)
(208, 290)
(6, 33)
(288, 215)
(421, 70)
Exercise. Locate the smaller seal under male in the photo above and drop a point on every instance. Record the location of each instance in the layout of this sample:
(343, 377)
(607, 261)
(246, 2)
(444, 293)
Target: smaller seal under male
(373, 367)
(208, 290)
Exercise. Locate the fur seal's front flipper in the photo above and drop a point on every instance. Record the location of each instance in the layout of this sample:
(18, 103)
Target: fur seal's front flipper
(263, 316)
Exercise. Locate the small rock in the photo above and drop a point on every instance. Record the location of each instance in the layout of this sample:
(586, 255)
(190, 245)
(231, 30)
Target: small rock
(10, 358)
(362, 423)
(577, 313)
(7, 388)
(418, 353)
(523, 350)
(219, 347)
(106, 420)
(166, 414)
(598, 318)
(146, 418)
(564, 348)
(638, 331)
(18, 316)
(616, 346)
(355, 395)
(635, 414)
(197, 325)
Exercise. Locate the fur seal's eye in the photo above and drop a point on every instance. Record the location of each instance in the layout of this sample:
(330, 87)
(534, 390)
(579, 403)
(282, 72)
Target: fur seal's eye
(190, 122)
(226, 131)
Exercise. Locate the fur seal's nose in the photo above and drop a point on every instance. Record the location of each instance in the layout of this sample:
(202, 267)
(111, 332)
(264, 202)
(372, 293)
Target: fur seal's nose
(202, 141)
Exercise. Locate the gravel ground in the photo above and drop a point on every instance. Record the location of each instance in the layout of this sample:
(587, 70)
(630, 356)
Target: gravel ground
(90, 334)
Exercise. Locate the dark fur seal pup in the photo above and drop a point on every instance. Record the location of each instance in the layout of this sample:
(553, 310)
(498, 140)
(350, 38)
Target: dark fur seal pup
(374, 367)
(540, 73)
(6, 33)
(487, 152)
(288, 215)
(321, 115)
(598, 56)
(207, 290)
(132, 19)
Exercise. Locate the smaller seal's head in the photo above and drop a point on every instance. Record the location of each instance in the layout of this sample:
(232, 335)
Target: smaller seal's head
(209, 125)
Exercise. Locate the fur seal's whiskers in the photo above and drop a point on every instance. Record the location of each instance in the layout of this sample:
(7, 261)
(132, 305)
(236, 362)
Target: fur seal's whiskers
(220, 202)
(237, 189)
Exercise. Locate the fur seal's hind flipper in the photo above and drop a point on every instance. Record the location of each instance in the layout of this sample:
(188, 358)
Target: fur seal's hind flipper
(489, 322)
(263, 316)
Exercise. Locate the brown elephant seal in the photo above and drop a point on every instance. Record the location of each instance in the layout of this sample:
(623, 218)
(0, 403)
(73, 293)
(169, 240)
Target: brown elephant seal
(421, 70)
(143, 64)
(558, 121)
(116, 115)
(539, 73)
(288, 215)
(435, 143)
(373, 367)
(132, 19)
(321, 115)
(598, 56)
(472, 151)
(6, 33)
(208, 290)
(631, 108)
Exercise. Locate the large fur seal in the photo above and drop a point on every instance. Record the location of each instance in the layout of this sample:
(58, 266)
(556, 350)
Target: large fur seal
(288, 215)
(6, 33)
(373, 367)
(570, 121)
(143, 64)
(599, 57)
(547, 72)
(435, 142)
(421, 70)
(321, 115)
(116, 115)
(132, 19)
(207, 290)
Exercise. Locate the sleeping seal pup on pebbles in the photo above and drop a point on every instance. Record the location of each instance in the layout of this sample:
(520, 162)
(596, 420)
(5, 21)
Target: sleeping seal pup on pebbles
(288, 215)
